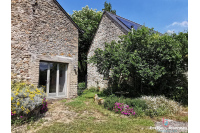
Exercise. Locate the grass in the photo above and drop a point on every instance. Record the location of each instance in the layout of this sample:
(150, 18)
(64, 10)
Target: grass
(111, 126)
(108, 122)
(63, 101)
(179, 117)
(102, 120)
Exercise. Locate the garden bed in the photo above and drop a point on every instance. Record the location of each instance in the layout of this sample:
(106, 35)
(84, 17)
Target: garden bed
(82, 114)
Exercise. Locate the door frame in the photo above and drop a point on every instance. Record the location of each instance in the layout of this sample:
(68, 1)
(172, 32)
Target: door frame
(57, 80)
(56, 59)
(57, 83)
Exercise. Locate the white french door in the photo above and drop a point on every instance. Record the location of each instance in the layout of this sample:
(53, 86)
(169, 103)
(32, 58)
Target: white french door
(54, 77)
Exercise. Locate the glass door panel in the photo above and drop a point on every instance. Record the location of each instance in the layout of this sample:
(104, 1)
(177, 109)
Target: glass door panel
(52, 79)
(53, 76)
(62, 79)
(43, 75)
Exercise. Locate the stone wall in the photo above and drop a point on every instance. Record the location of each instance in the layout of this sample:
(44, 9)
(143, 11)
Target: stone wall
(107, 31)
(41, 29)
(21, 22)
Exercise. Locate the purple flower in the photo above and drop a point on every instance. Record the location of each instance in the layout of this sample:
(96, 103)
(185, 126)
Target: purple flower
(21, 116)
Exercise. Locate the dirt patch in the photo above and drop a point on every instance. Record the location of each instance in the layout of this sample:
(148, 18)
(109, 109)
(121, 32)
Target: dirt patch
(87, 103)
(57, 112)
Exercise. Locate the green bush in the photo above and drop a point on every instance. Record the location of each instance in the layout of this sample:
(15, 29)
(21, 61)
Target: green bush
(136, 103)
(146, 105)
(139, 111)
(107, 92)
(93, 89)
(154, 64)
(81, 87)
(139, 105)
(110, 101)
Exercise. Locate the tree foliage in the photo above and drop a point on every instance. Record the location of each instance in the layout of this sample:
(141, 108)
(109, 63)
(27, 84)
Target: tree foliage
(146, 62)
(88, 20)
(108, 7)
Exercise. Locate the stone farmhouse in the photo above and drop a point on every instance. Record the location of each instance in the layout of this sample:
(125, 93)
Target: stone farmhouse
(110, 28)
(44, 46)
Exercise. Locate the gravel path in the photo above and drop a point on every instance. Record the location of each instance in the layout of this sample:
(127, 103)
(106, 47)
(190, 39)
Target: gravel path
(171, 127)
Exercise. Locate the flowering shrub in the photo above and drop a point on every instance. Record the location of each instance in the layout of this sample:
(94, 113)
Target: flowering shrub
(145, 105)
(25, 98)
(110, 102)
(138, 104)
(160, 105)
(44, 106)
(123, 109)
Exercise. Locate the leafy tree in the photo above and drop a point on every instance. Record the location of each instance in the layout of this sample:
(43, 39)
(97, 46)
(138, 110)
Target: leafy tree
(88, 20)
(108, 7)
(146, 63)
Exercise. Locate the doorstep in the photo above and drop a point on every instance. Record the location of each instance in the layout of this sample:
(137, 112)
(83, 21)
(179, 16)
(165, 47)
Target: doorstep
(53, 99)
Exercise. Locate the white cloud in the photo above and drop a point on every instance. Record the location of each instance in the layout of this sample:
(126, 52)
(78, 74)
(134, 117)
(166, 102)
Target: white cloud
(182, 24)
(170, 31)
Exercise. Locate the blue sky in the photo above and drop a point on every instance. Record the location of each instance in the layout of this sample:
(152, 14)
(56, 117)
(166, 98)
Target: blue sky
(162, 15)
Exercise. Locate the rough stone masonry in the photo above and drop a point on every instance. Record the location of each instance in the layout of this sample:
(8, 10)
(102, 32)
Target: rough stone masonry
(41, 30)
(106, 32)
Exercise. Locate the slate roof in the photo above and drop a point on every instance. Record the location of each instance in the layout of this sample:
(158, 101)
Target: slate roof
(124, 23)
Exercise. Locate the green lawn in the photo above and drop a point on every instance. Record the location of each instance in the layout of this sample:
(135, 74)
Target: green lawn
(95, 118)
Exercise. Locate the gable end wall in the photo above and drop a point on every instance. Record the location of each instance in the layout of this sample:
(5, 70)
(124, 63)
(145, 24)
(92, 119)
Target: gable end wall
(107, 31)
(42, 31)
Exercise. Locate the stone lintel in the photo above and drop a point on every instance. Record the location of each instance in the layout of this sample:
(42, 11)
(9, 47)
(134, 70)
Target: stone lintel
(55, 58)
